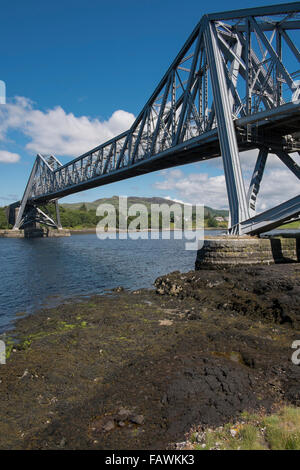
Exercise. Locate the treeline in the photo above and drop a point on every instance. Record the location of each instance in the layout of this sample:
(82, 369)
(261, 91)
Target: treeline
(86, 218)
(3, 219)
(78, 218)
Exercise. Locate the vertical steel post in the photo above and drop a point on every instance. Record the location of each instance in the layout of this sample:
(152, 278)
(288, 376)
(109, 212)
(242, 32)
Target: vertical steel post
(59, 226)
(227, 136)
(278, 74)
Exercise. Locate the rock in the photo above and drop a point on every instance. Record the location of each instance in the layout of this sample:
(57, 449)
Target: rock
(24, 374)
(123, 414)
(165, 322)
(137, 419)
(109, 426)
(193, 316)
(62, 442)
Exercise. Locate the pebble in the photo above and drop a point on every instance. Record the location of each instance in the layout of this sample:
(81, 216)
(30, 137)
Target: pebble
(165, 322)
(137, 419)
(123, 414)
(109, 426)
(62, 442)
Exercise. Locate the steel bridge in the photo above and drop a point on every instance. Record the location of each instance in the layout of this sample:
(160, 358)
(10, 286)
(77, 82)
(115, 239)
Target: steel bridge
(234, 86)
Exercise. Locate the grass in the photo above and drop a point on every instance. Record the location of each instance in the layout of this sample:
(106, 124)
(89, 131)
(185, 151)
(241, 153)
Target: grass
(279, 431)
(295, 224)
(283, 429)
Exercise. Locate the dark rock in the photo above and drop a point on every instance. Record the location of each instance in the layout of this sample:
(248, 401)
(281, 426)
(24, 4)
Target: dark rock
(137, 419)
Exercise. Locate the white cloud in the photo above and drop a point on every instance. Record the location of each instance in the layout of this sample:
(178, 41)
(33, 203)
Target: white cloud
(58, 132)
(196, 188)
(8, 157)
(278, 185)
(248, 160)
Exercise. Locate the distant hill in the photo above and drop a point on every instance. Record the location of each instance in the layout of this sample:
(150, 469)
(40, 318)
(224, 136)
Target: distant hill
(79, 215)
(147, 201)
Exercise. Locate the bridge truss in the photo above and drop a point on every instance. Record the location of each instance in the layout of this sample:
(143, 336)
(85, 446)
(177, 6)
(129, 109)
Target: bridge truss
(234, 86)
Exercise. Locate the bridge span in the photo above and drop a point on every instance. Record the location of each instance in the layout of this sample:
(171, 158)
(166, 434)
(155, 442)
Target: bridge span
(234, 86)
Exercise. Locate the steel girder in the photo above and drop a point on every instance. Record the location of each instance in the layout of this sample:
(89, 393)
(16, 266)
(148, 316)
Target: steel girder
(233, 86)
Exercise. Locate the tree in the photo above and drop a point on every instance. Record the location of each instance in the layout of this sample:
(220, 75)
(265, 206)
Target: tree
(211, 222)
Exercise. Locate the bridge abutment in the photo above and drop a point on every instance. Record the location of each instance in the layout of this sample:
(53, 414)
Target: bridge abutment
(224, 251)
(34, 232)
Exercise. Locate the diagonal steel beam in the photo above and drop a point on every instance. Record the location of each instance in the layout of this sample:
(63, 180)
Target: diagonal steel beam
(27, 193)
(289, 162)
(188, 86)
(290, 43)
(256, 180)
(273, 54)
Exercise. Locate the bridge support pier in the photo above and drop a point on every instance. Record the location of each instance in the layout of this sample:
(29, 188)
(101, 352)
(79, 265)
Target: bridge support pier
(225, 251)
(34, 233)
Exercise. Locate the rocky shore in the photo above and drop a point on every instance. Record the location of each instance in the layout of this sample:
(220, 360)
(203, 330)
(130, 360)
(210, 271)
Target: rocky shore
(139, 370)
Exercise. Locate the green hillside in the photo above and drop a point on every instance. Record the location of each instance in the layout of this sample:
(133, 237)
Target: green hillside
(75, 209)
(147, 201)
(82, 215)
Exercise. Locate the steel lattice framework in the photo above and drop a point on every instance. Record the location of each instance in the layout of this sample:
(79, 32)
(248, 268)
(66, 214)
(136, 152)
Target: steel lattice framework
(234, 86)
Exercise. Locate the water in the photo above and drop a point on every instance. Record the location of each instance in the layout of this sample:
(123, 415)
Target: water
(45, 271)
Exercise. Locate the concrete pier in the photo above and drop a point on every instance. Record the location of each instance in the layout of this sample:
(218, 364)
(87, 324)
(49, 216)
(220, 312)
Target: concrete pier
(225, 251)
(34, 233)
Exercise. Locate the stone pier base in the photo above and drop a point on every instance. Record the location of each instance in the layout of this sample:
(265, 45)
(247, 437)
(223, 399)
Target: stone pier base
(34, 233)
(229, 251)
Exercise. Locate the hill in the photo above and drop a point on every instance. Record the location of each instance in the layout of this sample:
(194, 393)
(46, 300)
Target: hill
(80, 215)
(147, 201)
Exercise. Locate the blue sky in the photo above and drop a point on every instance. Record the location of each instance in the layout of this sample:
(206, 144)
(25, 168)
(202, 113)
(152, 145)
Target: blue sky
(76, 63)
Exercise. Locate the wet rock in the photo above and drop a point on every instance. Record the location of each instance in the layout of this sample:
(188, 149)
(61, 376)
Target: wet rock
(193, 316)
(62, 442)
(266, 293)
(137, 419)
(178, 377)
(109, 426)
(123, 414)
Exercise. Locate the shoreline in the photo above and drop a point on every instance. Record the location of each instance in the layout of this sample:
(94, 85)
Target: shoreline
(93, 230)
(288, 232)
(139, 369)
